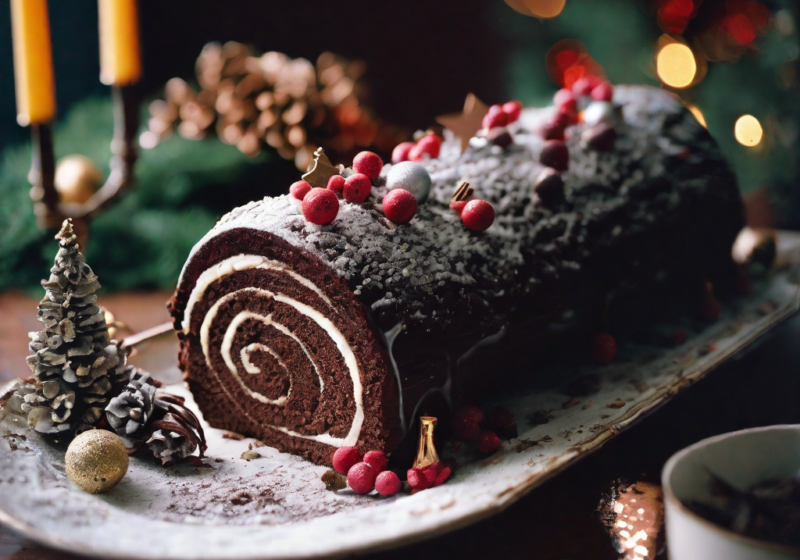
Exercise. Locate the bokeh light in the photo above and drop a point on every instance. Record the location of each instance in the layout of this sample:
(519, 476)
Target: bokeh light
(542, 9)
(698, 114)
(676, 65)
(545, 8)
(568, 61)
(748, 131)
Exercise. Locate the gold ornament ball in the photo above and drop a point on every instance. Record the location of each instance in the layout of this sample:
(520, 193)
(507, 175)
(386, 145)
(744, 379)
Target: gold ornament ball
(77, 178)
(96, 461)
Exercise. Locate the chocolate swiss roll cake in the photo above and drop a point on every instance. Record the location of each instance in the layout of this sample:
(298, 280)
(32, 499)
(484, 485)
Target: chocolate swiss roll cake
(312, 337)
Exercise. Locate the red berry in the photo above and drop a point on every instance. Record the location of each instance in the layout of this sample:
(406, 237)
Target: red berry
(555, 154)
(711, 308)
(442, 476)
(388, 483)
(431, 472)
(399, 205)
(401, 152)
(512, 109)
(357, 188)
(603, 349)
(361, 478)
(478, 215)
(429, 145)
(377, 460)
(416, 479)
(344, 458)
(565, 100)
(368, 163)
(500, 419)
(603, 91)
(584, 86)
(493, 119)
(553, 131)
(466, 422)
(336, 183)
(320, 206)
(300, 189)
(488, 442)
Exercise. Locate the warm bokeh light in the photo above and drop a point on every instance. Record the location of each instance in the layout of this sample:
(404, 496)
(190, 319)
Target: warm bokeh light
(676, 65)
(748, 131)
(542, 9)
(545, 8)
(568, 61)
(698, 114)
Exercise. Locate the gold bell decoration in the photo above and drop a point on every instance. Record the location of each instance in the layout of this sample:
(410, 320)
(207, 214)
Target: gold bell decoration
(426, 452)
(77, 179)
(96, 461)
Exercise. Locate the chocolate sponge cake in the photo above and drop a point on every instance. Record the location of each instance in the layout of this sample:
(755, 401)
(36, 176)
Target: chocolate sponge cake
(313, 337)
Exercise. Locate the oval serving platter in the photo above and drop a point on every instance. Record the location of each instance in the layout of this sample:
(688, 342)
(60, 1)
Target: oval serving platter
(276, 506)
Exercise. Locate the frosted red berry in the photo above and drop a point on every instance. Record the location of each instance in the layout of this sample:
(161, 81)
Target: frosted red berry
(431, 472)
(377, 460)
(500, 419)
(496, 118)
(417, 479)
(512, 109)
(388, 483)
(357, 188)
(361, 478)
(565, 100)
(477, 215)
(429, 145)
(401, 152)
(584, 86)
(603, 91)
(336, 183)
(344, 458)
(368, 163)
(443, 475)
(320, 206)
(466, 422)
(300, 189)
(555, 154)
(553, 131)
(603, 349)
(399, 205)
(488, 442)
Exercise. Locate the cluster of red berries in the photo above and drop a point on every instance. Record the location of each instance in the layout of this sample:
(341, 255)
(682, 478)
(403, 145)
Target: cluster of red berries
(502, 115)
(321, 206)
(422, 478)
(366, 473)
(568, 102)
(428, 146)
(471, 425)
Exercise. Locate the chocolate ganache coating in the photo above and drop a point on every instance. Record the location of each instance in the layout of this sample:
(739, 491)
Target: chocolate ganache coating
(312, 337)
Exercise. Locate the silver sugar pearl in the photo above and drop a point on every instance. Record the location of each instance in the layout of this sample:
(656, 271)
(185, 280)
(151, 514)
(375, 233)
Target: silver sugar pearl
(412, 177)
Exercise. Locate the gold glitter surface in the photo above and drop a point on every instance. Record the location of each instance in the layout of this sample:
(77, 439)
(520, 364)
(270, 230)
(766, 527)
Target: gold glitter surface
(96, 461)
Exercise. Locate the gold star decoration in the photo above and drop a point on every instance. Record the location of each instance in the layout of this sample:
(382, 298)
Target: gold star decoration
(466, 123)
(320, 170)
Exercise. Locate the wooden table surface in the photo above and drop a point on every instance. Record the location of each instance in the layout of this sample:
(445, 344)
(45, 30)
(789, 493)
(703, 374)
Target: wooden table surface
(557, 521)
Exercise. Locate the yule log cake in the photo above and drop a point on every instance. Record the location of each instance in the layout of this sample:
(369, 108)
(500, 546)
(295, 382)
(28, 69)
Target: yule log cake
(310, 337)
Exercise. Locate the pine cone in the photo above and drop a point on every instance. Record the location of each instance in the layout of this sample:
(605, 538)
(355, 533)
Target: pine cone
(76, 366)
(291, 105)
(145, 414)
(129, 412)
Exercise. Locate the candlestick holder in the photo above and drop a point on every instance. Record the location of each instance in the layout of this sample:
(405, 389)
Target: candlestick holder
(50, 210)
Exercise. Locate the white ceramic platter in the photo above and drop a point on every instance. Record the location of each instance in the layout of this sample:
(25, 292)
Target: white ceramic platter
(277, 507)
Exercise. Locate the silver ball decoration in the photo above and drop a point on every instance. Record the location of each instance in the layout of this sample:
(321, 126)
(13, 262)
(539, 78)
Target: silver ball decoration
(412, 177)
(599, 112)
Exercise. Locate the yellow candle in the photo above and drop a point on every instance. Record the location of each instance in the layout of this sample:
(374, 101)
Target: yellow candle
(120, 60)
(33, 62)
